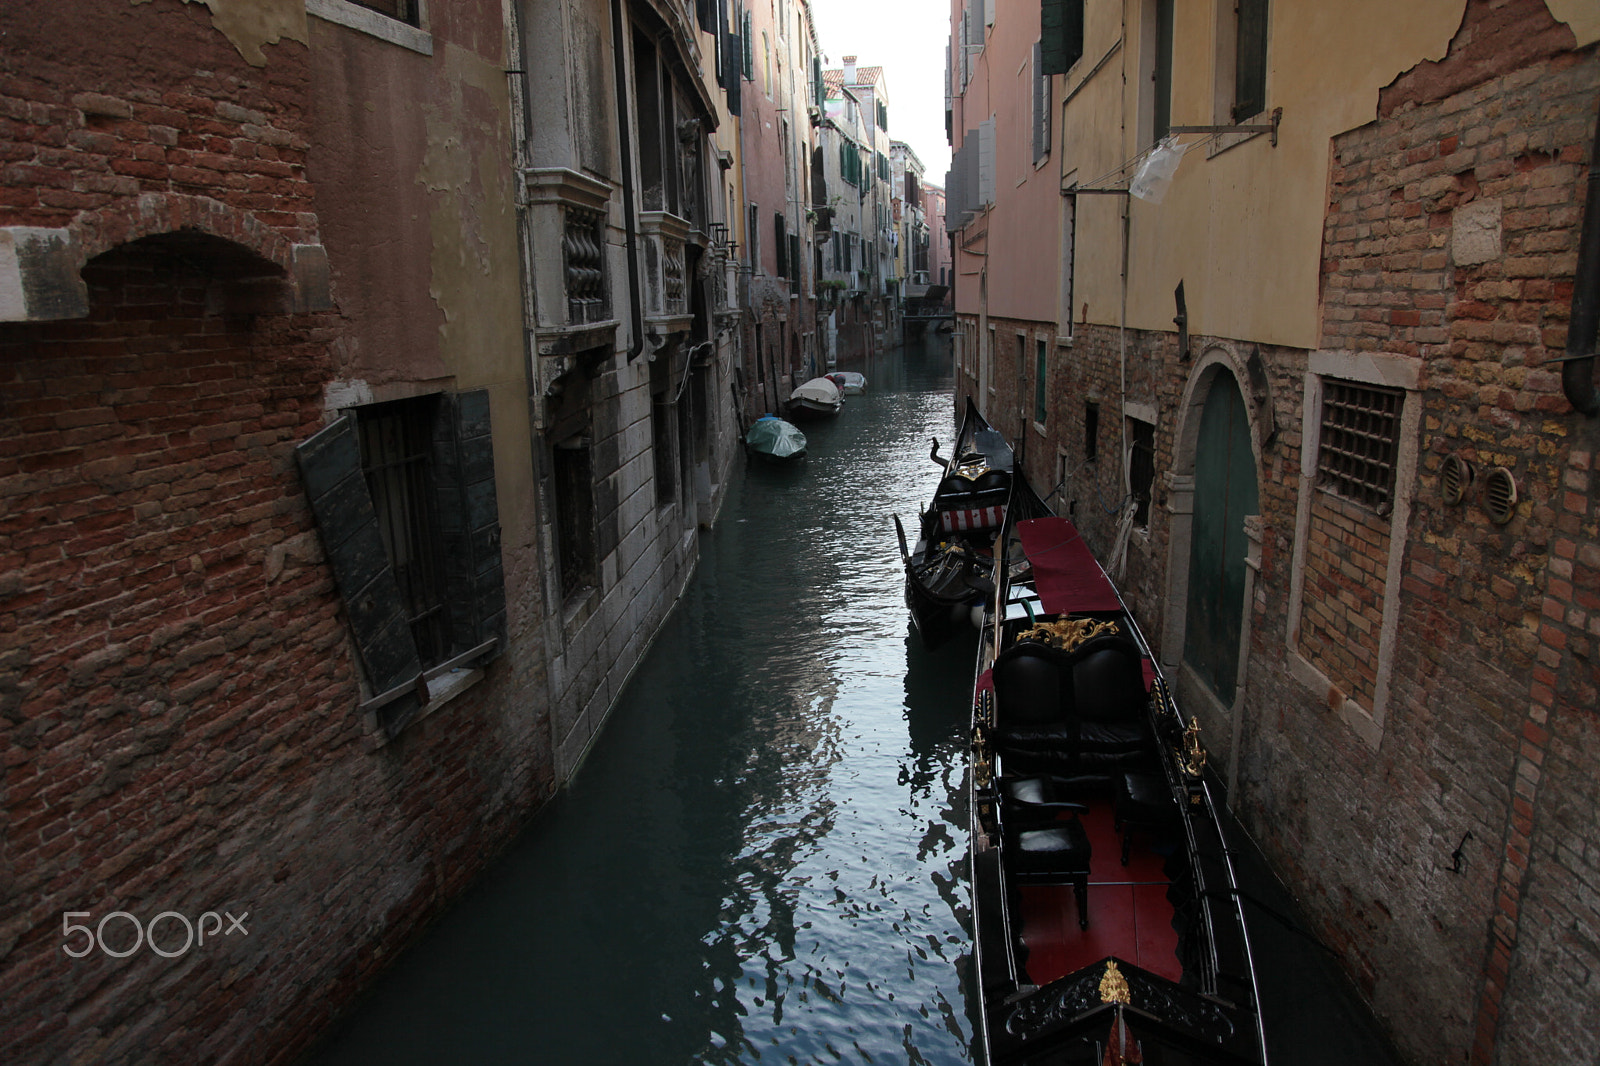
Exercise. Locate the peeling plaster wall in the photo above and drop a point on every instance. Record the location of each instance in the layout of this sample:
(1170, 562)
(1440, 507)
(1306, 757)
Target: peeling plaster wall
(250, 24)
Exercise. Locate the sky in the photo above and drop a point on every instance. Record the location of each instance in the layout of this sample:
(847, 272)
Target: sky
(907, 39)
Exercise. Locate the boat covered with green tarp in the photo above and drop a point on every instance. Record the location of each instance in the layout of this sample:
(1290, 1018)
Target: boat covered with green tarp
(775, 440)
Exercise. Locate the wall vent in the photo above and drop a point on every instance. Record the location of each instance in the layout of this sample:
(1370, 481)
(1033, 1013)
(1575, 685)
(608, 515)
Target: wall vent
(1500, 495)
(1455, 479)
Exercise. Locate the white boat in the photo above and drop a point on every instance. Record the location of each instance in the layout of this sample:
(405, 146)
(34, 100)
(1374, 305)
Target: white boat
(816, 398)
(850, 383)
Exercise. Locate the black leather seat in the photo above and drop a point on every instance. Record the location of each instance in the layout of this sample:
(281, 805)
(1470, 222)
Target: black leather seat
(1078, 713)
(1032, 698)
(1142, 800)
(1037, 798)
(1055, 854)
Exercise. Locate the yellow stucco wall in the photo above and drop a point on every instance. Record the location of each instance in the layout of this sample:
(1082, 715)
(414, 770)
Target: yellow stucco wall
(1243, 228)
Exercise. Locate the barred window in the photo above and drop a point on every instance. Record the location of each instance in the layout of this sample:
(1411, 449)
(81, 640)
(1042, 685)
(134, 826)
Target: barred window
(1360, 434)
(397, 459)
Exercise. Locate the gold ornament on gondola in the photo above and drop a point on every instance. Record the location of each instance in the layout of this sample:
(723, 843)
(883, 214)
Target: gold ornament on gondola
(1113, 986)
(1067, 633)
(1193, 755)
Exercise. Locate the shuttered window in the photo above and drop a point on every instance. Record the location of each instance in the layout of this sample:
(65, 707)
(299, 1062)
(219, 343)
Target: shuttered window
(749, 48)
(1161, 76)
(1250, 60)
(1041, 106)
(732, 58)
(404, 499)
(1060, 34)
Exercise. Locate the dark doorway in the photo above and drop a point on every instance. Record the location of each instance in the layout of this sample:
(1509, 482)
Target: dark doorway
(1225, 492)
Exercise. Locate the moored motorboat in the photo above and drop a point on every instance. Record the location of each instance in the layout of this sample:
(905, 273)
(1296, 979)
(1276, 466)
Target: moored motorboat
(948, 569)
(773, 439)
(850, 383)
(817, 398)
(1108, 922)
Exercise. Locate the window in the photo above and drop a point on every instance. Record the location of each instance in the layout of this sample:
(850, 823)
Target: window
(749, 49)
(1250, 59)
(1356, 453)
(1069, 237)
(574, 491)
(1161, 73)
(653, 167)
(753, 236)
(1041, 363)
(397, 462)
(781, 243)
(403, 494)
(661, 412)
(1141, 467)
(1060, 35)
(1041, 107)
(403, 10)
(1091, 431)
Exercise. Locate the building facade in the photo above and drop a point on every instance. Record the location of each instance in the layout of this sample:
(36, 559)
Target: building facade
(1289, 370)
(363, 391)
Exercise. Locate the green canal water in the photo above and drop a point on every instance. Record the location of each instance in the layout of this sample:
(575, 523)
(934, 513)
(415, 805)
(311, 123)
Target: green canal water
(761, 860)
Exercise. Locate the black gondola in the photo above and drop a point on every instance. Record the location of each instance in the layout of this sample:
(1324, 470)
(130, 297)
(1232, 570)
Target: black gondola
(948, 571)
(1108, 925)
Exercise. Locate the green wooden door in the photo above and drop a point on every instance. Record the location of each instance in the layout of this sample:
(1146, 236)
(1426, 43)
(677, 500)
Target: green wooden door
(1224, 492)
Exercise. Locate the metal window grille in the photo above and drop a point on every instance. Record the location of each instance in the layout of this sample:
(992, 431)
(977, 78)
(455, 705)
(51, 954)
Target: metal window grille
(397, 459)
(1356, 453)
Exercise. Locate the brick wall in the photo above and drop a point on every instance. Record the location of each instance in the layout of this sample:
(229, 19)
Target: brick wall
(103, 109)
(178, 696)
(1346, 568)
(1451, 236)
(1450, 239)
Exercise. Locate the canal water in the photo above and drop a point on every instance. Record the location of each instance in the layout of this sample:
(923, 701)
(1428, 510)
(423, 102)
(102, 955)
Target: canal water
(761, 860)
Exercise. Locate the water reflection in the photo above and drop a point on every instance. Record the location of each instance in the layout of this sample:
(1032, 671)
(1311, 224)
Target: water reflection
(760, 862)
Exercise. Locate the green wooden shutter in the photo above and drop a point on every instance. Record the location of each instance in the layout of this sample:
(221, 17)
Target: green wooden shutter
(1061, 34)
(819, 88)
(469, 520)
(732, 55)
(330, 467)
(1250, 60)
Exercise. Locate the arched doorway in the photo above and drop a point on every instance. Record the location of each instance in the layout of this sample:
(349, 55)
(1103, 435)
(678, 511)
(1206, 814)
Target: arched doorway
(1225, 492)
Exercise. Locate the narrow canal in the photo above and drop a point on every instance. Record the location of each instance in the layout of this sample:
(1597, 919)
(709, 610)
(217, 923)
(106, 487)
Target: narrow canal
(761, 859)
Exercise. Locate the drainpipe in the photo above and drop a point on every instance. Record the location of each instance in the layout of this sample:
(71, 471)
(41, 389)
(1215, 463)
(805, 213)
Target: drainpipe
(1577, 366)
(635, 295)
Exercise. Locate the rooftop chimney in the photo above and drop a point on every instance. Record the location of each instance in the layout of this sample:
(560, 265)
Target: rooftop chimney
(849, 70)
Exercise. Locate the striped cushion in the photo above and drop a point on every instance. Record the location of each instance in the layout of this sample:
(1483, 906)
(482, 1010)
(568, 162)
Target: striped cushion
(976, 518)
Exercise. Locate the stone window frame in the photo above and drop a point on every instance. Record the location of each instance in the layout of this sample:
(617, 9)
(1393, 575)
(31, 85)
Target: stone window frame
(1388, 371)
(354, 16)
